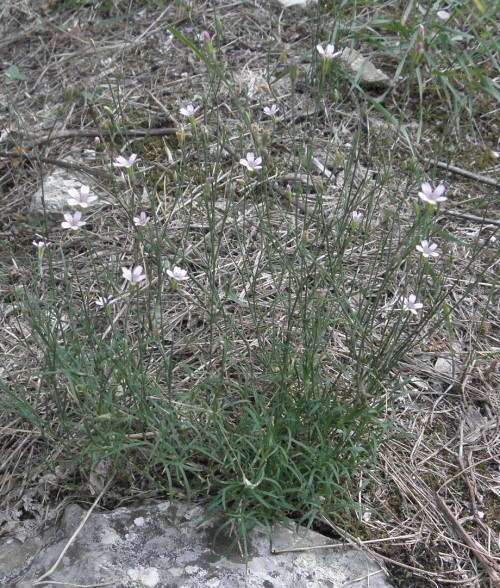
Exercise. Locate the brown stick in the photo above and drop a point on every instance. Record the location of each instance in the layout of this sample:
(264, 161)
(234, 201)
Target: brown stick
(91, 133)
(463, 172)
(472, 217)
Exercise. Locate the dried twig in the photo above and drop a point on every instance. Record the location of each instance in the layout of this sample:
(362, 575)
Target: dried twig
(463, 172)
(91, 133)
(472, 217)
(489, 564)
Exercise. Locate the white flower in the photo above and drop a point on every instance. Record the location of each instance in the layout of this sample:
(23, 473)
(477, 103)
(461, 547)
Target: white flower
(40, 245)
(357, 216)
(329, 52)
(134, 276)
(410, 304)
(271, 110)
(121, 161)
(249, 484)
(178, 274)
(427, 249)
(432, 195)
(73, 222)
(251, 162)
(81, 198)
(188, 110)
(142, 220)
(105, 300)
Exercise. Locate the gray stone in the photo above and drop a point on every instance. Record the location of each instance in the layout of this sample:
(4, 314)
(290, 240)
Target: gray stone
(161, 545)
(302, 3)
(361, 66)
(51, 199)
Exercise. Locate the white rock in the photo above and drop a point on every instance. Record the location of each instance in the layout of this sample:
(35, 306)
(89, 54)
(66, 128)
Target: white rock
(361, 66)
(443, 15)
(176, 551)
(444, 367)
(51, 199)
(303, 3)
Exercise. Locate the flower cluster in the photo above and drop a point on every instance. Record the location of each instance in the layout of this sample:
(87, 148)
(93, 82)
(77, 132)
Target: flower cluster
(431, 196)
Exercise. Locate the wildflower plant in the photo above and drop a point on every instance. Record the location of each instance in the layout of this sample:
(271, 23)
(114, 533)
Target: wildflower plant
(269, 375)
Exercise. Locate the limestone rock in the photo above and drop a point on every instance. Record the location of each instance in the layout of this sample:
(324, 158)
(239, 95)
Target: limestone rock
(361, 66)
(302, 3)
(51, 199)
(159, 544)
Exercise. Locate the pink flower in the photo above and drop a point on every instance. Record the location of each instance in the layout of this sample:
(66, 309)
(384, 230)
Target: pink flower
(251, 162)
(271, 110)
(189, 110)
(427, 249)
(81, 198)
(178, 274)
(410, 304)
(328, 53)
(356, 217)
(40, 245)
(432, 196)
(121, 161)
(205, 35)
(105, 300)
(134, 276)
(421, 30)
(142, 220)
(73, 222)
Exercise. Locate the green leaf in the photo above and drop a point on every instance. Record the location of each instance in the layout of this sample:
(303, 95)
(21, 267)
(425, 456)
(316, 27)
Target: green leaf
(14, 75)
(447, 237)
